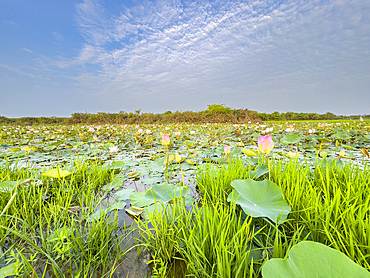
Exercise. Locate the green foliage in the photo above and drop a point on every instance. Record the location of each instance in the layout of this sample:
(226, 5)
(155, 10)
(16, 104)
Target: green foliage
(214, 109)
(260, 199)
(312, 259)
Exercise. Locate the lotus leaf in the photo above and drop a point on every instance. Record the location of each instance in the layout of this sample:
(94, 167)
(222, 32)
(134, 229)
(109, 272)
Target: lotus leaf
(134, 211)
(341, 136)
(249, 152)
(56, 173)
(152, 180)
(313, 259)
(166, 192)
(138, 199)
(116, 206)
(290, 139)
(260, 199)
(124, 194)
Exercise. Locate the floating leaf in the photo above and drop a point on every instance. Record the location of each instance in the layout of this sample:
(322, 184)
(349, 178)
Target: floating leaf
(166, 192)
(152, 180)
(292, 155)
(56, 173)
(341, 136)
(49, 148)
(290, 139)
(124, 194)
(117, 206)
(260, 199)
(313, 259)
(365, 152)
(249, 152)
(135, 211)
(138, 199)
(191, 162)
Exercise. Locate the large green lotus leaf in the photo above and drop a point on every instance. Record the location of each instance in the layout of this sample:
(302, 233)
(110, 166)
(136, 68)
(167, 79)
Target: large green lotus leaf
(311, 259)
(260, 199)
(138, 199)
(166, 192)
(56, 173)
(290, 139)
(156, 165)
(124, 193)
(152, 180)
(341, 136)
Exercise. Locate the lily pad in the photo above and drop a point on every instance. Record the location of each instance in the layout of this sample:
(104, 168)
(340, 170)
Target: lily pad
(138, 199)
(135, 211)
(341, 136)
(290, 139)
(249, 152)
(116, 206)
(166, 192)
(56, 173)
(124, 194)
(152, 180)
(313, 259)
(260, 199)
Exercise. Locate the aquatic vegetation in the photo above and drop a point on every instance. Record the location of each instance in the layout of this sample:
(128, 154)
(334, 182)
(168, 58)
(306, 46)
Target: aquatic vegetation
(216, 200)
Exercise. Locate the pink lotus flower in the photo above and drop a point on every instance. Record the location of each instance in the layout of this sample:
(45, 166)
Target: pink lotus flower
(113, 149)
(265, 144)
(165, 140)
(227, 149)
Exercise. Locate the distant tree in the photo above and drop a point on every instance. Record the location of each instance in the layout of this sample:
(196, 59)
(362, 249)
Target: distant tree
(217, 109)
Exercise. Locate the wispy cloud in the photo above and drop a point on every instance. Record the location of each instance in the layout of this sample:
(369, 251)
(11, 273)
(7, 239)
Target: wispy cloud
(211, 51)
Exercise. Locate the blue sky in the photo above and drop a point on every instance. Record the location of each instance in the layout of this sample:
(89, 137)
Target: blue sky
(61, 57)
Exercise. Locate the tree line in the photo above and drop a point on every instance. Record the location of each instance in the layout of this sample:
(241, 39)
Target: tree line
(215, 113)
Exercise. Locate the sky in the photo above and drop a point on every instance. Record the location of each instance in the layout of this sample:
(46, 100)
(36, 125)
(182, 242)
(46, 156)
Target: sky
(65, 56)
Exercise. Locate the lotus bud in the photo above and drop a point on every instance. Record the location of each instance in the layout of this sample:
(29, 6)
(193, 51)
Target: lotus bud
(165, 140)
(265, 144)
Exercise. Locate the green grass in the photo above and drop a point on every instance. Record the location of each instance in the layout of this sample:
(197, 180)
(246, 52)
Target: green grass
(330, 204)
(46, 223)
